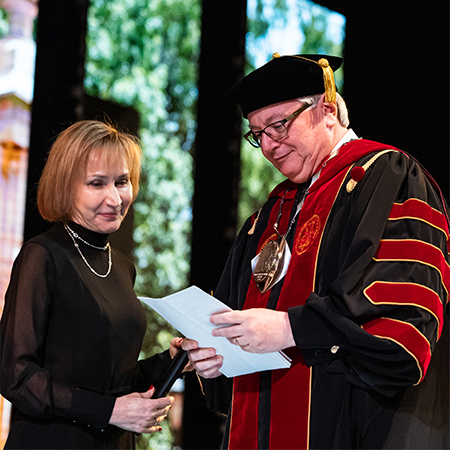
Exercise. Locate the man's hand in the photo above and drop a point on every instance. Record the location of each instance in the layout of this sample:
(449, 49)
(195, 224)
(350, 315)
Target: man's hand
(255, 330)
(205, 361)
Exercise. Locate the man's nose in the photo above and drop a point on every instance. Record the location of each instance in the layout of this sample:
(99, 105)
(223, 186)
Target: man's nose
(267, 143)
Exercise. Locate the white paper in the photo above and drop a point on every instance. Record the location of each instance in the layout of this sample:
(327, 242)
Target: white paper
(189, 311)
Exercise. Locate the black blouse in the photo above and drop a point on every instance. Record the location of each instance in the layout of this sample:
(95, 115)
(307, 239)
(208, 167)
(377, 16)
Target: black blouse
(70, 341)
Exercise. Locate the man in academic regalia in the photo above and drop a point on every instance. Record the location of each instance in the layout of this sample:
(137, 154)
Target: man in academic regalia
(345, 269)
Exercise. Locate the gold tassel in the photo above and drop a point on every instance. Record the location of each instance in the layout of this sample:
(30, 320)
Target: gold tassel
(328, 80)
(252, 229)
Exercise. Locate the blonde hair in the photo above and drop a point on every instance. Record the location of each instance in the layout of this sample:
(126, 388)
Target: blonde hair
(68, 159)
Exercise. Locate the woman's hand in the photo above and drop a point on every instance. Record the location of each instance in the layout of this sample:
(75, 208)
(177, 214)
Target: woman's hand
(203, 360)
(139, 413)
(175, 347)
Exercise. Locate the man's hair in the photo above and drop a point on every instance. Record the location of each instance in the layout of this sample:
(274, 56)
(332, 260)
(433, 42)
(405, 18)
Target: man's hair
(342, 112)
(68, 160)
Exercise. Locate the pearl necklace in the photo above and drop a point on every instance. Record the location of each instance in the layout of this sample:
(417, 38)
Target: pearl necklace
(74, 235)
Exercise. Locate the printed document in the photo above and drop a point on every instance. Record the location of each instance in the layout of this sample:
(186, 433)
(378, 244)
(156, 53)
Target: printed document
(189, 311)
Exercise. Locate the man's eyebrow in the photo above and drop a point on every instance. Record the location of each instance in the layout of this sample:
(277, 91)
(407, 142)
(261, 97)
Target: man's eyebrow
(270, 120)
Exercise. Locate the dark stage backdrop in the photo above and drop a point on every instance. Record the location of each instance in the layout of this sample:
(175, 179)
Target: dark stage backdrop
(396, 77)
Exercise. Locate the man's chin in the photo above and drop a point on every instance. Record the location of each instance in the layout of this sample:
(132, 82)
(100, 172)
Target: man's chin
(294, 176)
(297, 178)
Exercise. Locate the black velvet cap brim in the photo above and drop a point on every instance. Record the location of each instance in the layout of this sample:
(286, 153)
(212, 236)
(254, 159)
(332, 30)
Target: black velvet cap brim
(281, 79)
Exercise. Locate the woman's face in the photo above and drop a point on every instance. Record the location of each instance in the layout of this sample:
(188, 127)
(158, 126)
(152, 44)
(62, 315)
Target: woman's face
(103, 195)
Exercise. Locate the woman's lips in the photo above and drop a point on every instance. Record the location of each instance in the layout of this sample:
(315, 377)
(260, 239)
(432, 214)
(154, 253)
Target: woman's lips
(113, 215)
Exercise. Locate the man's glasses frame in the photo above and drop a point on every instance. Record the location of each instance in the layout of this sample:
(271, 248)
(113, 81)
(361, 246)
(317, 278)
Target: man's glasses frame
(276, 130)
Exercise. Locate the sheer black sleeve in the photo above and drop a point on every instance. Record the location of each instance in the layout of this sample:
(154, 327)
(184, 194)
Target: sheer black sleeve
(25, 382)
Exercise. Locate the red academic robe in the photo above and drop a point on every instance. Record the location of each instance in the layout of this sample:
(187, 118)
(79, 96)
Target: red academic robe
(366, 291)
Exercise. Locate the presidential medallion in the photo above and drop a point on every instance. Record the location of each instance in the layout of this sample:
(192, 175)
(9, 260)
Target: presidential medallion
(269, 264)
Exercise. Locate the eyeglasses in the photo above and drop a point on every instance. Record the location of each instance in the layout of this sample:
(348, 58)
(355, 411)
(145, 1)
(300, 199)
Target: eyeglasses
(275, 131)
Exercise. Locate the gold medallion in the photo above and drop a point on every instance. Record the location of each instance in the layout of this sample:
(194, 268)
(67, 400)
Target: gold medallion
(269, 264)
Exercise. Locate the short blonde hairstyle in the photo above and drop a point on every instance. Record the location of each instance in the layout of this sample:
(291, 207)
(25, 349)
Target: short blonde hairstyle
(68, 159)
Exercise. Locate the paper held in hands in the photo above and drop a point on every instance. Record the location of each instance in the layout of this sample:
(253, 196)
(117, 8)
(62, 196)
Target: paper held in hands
(189, 310)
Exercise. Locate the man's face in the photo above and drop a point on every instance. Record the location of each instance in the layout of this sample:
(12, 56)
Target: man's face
(309, 139)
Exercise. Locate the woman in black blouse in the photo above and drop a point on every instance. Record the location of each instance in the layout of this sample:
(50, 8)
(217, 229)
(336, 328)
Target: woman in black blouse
(72, 326)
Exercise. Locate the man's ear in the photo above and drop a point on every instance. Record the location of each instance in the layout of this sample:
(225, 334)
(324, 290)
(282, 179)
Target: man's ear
(329, 110)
